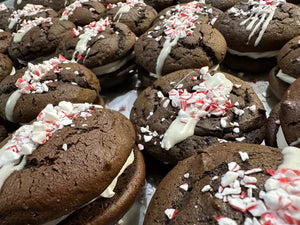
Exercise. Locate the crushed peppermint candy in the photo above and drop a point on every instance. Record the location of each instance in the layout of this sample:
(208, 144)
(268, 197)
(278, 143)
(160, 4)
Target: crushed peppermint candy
(278, 204)
(170, 213)
(28, 137)
(89, 31)
(27, 25)
(30, 81)
(208, 99)
(3, 7)
(244, 155)
(28, 10)
(184, 186)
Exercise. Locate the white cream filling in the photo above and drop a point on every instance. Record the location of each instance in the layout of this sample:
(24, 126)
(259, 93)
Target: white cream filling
(291, 158)
(281, 141)
(254, 55)
(13, 71)
(114, 66)
(285, 77)
(107, 193)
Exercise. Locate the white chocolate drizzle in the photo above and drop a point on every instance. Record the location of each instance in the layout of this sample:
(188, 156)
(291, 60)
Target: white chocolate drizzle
(261, 14)
(209, 98)
(28, 10)
(28, 137)
(27, 25)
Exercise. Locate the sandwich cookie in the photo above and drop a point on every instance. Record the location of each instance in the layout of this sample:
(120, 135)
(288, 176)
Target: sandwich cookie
(287, 69)
(231, 183)
(25, 94)
(191, 109)
(180, 38)
(104, 47)
(249, 28)
(70, 150)
(283, 123)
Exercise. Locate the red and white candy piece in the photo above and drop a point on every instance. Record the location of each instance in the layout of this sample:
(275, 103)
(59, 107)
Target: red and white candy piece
(170, 213)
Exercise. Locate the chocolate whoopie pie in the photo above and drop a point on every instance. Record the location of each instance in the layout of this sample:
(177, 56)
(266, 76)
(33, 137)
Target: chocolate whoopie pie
(54, 4)
(287, 69)
(230, 184)
(4, 15)
(284, 120)
(180, 38)
(103, 46)
(83, 12)
(5, 39)
(255, 31)
(25, 94)
(29, 12)
(191, 109)
(37, 38)
(6, 66)
(135, 14)
(68, 157)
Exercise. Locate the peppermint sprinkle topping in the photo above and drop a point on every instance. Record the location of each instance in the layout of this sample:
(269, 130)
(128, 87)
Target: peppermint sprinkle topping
(170, 213)
(28, 137)
(27, 25)
(30, 81)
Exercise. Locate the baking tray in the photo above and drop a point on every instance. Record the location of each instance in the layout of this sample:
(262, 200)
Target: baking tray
(122, 97)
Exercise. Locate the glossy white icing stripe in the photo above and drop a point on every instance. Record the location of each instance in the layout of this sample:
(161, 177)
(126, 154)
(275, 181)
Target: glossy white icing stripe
(285, 77)
(254, 55)
(167, 47)
(10, 105)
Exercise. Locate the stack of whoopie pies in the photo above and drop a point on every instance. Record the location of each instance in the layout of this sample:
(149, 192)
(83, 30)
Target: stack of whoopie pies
(215, 153)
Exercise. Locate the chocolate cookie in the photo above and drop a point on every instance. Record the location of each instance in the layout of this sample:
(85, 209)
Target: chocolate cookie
(220, 4)
(283, 122)
(231, 183)
(3, 131)
(29, 12)
(107, 211)
(71, 150)
(190, 109)
(4, 15)
(5, 39)
(180, 39)
(54, 4)
(287, 69)
(26, 93)
(249, 29)
(135, 14)
(83, 12)
(36, 38)
(102, 46)
(6, 66)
